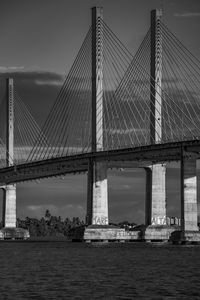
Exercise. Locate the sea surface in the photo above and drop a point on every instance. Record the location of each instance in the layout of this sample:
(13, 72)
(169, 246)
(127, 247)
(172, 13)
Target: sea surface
(64, 270)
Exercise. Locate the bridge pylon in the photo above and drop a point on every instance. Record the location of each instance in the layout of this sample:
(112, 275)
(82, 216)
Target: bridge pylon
(9, 230)
(97, 208)
(97, 201)
(9, 191)
(156, 175)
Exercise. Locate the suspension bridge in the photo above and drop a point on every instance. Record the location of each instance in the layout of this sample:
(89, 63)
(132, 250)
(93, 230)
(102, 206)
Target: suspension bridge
(113, 109)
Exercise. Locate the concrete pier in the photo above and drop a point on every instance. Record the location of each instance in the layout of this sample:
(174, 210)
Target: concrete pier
(189, 216)
(189, 232)
(97, 210)
(9, 206)
(156, 215)
(111, 233)
(158, 209)
(148, 198)
(198, 189)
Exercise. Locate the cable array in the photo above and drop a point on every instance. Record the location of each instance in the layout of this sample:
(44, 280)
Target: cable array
(26, 131)
(127, 106)
(125, 116)
(181, 82)
(127, 89)
(3, 153)
(68, 126)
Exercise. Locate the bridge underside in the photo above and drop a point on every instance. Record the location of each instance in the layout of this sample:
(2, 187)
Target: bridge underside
(139, 157)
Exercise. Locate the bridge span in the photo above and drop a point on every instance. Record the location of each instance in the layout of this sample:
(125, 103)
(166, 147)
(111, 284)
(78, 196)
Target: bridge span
(139, 157)
(115, 110)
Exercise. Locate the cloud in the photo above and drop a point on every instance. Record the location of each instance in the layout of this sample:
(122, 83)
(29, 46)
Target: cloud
(49, 82)
(37, 76)
(126, 131)
(187, 14)
(12, 68)
(42, 77)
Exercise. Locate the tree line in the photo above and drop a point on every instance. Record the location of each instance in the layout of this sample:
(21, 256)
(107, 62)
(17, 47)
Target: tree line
(53, 226)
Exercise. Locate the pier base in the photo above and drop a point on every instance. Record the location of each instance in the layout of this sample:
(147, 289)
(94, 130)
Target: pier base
(185, 237)
(10, 231)
(189, 232)
(159, 233)
(94, 233)
(9, 206)
(97, 200)
(14, 234)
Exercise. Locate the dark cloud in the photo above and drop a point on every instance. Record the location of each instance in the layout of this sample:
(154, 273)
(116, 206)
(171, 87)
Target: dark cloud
(187, 14)
(22, 74)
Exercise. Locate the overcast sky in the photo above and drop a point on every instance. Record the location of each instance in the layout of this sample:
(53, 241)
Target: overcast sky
(39, 41)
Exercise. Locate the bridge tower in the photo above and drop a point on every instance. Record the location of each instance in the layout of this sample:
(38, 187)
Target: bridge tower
(156, 174)
(97, 205)
(9, 230)
(9, 191)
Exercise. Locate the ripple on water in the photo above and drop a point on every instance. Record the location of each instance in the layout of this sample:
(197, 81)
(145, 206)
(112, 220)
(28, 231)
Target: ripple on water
(61, 270)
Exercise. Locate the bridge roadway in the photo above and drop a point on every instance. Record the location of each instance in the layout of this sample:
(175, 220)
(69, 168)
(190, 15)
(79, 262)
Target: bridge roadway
(137, 157)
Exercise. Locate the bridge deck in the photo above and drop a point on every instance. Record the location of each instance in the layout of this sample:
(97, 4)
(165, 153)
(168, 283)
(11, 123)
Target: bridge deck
(138, 157)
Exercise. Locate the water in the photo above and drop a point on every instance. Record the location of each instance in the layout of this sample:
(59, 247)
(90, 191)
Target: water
(62, 270)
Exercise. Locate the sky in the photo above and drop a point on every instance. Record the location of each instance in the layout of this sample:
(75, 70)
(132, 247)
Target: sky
(39, 42)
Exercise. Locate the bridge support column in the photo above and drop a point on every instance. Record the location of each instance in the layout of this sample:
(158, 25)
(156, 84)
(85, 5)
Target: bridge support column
(97, 206)
(188, 195)
(155, 205)
(156, 219)
(158, 215)
(9, 206)
(198, 189)
(98, 228)
(189, 208)
(148, 196)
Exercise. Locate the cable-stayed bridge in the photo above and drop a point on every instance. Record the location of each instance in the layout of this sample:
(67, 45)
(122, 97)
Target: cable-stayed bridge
(113, 109)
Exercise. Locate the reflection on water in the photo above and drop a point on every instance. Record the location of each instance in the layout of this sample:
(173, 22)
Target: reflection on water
(62, 270)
